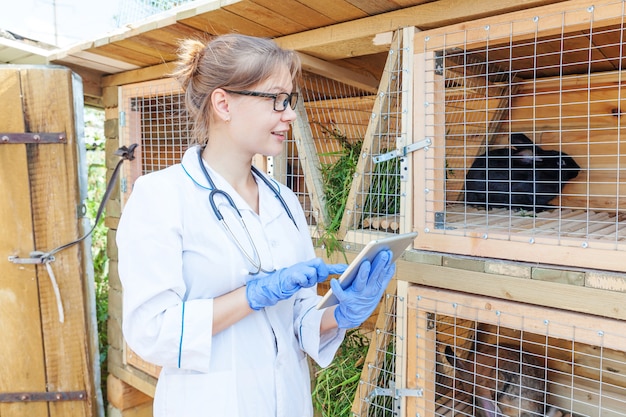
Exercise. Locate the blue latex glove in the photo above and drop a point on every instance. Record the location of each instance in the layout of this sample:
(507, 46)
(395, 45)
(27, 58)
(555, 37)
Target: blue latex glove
(282, 284)
(359, 300)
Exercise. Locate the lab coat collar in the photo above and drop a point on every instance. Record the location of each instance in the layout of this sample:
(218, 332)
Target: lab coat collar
(269, 205)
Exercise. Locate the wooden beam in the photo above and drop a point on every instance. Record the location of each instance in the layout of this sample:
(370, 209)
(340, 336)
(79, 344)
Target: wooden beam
(566, 297)
(361, 36)
(326, 69)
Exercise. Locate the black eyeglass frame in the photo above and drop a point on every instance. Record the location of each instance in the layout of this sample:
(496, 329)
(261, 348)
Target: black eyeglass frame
(292, 98)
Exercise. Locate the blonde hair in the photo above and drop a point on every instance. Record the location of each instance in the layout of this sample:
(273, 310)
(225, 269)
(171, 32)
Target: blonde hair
(230, 61)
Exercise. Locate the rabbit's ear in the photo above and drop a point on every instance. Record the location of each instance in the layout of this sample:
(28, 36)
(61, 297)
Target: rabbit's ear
(520, 139)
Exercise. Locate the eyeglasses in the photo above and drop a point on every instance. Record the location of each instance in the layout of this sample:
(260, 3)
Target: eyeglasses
(281, 100)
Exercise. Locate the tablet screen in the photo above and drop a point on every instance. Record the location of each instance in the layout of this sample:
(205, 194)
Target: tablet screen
(396, 243)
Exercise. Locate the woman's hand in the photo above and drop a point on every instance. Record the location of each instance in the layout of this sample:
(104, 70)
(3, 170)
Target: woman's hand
(359, 300)
(282, 284)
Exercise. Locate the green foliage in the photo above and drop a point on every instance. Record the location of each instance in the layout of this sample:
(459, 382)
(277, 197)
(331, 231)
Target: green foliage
(335, 386)
(384, 195)
(96, 185)
(337, 180)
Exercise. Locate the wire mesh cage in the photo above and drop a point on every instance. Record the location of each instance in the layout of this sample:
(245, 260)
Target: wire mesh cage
(525, 115)
(481, 356)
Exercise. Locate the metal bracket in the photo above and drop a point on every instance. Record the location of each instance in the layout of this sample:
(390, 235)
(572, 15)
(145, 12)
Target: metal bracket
(33, 137)
(35, 258)
(400, 152)
(20, 397)
(394, 392)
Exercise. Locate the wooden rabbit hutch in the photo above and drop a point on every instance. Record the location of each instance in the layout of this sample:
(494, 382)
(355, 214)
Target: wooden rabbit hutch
(548, 282)
(505, 309)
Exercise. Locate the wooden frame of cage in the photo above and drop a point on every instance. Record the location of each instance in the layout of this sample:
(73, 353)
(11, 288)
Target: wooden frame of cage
(565, 17)
(582, 378)
(401, 43)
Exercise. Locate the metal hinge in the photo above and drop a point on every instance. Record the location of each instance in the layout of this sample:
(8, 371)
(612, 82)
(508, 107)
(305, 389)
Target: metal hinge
(400, 152)
(33, 137)
(20, 397)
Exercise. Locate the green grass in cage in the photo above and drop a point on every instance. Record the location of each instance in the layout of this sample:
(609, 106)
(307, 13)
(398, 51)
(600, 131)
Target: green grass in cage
(384, 194)
(383, 197)
(336, 385)
(336, 181)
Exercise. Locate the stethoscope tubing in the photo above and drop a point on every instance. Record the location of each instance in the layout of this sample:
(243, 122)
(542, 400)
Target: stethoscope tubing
(218, 214)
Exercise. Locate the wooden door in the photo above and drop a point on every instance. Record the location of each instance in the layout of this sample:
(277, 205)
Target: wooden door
(48, 360)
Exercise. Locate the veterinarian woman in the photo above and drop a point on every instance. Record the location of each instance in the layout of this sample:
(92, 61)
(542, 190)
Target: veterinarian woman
(226, 304)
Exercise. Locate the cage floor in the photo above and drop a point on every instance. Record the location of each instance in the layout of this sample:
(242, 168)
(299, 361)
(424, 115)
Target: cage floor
(563, 223)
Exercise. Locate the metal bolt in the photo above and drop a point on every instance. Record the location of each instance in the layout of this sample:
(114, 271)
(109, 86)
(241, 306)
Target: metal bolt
(5, 138)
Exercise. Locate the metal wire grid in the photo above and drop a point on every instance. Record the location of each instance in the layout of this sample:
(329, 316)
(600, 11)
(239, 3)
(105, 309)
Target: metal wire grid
(376, 396)
(561, 90)
(378, 199)
(154, 117)
(337, 115)
(578, 375)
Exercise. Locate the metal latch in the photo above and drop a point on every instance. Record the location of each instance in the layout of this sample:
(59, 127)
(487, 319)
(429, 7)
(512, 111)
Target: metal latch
(33, 137)
(394, 392)
(400, 152)
(19, 397)
(35, 258)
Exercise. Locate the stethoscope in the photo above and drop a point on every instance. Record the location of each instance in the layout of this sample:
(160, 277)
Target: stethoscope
(255, 259)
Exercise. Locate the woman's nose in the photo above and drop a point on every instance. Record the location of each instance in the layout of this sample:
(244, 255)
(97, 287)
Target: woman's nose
(289, 115)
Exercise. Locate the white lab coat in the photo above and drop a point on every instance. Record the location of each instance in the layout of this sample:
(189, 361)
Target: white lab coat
(174, 258)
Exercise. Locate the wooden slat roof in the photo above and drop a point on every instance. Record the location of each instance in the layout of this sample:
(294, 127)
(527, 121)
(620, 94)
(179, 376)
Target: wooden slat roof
(347, 33)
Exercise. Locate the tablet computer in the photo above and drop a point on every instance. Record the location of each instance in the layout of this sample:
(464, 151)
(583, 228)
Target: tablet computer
(396, 243)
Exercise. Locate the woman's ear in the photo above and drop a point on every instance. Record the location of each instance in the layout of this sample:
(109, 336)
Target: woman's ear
(219, 102)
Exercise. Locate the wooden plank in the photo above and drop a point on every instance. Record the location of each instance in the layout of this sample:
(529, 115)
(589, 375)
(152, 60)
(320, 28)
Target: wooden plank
(370, 146)
(55, 198)
(358, 37)
(521, 25)
(407, 137)
(334, 72)
(573, 298)
(337, 10)
(123, 396)
(266, 17)
(223, 21)
(310, 163)
(371, 367)
(298, 12)
(22, 350)
(521, 316)
(421, 363)
(423, 127)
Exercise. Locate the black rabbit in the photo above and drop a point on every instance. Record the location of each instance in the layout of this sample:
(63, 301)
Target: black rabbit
(522, 177)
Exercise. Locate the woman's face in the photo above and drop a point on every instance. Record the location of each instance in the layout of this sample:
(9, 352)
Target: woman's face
(255, 126)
